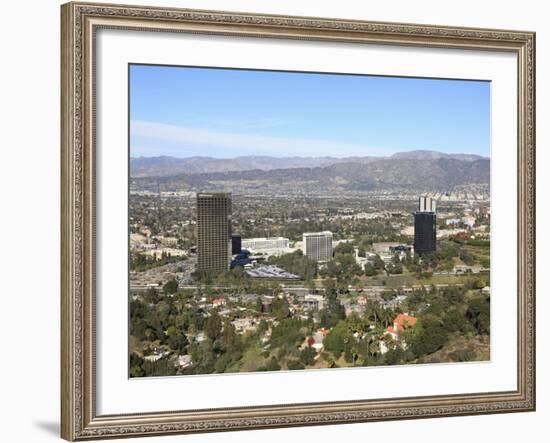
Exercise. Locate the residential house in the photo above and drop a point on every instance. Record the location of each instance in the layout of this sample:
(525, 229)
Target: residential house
(400, 323)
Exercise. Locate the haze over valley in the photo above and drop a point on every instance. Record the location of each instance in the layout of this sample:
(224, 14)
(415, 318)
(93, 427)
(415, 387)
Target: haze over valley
(418, 171)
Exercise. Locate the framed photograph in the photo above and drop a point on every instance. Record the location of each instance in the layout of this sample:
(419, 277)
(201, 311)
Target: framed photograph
(277, 221)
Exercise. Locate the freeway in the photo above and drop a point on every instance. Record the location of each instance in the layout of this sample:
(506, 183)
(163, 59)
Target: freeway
(302, 289)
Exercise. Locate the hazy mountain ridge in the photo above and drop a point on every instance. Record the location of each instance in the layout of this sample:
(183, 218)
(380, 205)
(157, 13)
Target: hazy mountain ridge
(435, 155)
(165, 166)
(390, 173)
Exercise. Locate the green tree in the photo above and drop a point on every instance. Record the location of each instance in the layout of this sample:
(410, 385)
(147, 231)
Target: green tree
(296, 263)
(170, 287)
(229, 339)
(395, 356)
(213, 326)
(136, 363)
(295, 365)
(478, 313)
(427, 336)
(344, 248)
(307, 356)
(370, 270)
(176, 340)
(336, 339)
(271, 365)
(280, 308)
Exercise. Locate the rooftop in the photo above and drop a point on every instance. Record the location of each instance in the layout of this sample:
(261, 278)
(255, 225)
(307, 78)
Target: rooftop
(271, 272)
(213, 194)
(400, 322)
(313, 234)
(264, 238)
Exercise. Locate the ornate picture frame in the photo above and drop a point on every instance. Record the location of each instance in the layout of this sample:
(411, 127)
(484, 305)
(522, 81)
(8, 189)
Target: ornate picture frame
(80, 22)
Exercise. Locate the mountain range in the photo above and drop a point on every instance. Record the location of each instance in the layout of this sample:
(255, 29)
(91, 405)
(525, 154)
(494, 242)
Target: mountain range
(414, 171)
(164, 166)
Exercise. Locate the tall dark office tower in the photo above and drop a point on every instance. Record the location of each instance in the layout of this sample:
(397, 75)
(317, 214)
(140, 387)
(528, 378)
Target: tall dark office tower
(214, 232)
(236, 244)
(424, 226)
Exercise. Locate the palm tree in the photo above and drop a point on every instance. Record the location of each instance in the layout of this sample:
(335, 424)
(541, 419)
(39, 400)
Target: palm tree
(374, 345)
(386, 317)
(355, 323)
(373, 313)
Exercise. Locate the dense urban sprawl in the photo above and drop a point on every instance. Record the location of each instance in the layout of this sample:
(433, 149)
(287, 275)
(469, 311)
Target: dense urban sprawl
(373, 301)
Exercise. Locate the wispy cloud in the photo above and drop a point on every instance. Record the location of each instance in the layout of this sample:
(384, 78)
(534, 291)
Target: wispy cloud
(152, 134)
(244, 123)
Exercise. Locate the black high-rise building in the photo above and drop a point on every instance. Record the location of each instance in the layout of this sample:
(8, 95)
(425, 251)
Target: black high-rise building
(424, 226)
(424, 232)
(214, 232)
(236, 244)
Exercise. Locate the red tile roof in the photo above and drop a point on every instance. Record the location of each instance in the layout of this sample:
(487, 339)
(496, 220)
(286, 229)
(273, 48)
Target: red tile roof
(401, 321)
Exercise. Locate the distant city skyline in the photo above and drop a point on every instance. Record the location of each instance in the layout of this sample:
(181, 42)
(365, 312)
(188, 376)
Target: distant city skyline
(226, 113)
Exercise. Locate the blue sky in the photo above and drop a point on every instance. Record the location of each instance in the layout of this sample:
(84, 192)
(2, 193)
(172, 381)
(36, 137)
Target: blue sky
(225, 113)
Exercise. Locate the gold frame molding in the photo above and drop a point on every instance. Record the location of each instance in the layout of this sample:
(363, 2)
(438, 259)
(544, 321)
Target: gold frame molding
(79, 22)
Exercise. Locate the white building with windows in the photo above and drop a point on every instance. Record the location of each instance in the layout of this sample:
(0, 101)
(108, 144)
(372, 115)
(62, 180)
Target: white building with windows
(265, 243)
(314, 302)
(318, 245)
(426, 204)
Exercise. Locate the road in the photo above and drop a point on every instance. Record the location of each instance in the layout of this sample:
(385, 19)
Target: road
(303, 289)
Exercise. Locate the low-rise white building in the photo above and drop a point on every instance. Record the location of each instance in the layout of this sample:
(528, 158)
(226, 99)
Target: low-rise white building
(469, 221)
(314, 302)
(157, 253)
(243, 325)
(184, 361)
(384, 246)
(265, 243)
